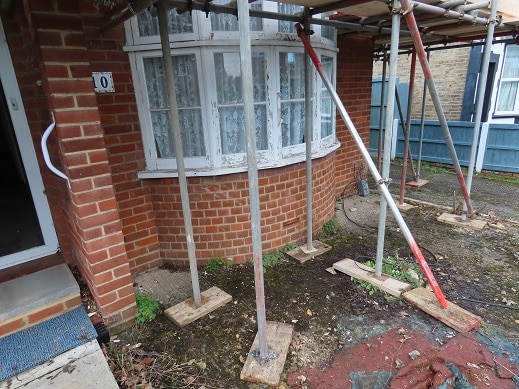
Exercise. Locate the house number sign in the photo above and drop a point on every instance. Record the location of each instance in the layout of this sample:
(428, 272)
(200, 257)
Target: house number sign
(103, 82)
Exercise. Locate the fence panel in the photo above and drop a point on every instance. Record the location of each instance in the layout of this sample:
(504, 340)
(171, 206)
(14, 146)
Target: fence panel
(502, 151)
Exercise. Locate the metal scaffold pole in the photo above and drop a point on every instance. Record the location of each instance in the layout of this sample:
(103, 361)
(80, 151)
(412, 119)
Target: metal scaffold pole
(382, 185)
(386, 159)
(308, 140)
(381, 118)
(418, 45)
(482, 83)
(407, 132)
(252, 165)
(422, 125)
(177, 145)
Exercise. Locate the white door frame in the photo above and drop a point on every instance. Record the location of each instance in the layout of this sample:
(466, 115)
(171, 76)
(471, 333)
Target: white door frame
(30, 162)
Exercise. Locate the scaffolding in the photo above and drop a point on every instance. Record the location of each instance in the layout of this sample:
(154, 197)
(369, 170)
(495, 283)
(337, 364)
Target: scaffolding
(430, 23)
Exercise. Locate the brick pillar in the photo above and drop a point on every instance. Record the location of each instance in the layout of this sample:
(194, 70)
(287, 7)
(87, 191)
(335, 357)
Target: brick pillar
(354, 74)
(93, 217)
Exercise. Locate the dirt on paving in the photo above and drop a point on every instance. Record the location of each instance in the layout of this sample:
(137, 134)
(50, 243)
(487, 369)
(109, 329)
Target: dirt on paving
(343, 330)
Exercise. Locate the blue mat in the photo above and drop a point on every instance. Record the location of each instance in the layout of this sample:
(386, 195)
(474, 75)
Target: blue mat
(30, 347)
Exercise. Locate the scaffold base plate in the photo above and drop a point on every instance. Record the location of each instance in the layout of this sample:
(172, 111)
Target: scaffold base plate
(405, 207)
(455, 220)
(302, 254)
(279, 336)
(187, 312)
(417, 184)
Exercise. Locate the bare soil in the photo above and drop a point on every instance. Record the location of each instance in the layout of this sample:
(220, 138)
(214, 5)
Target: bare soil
(332, 314)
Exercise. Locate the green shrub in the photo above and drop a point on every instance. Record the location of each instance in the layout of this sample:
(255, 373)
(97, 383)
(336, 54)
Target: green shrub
(147, 308)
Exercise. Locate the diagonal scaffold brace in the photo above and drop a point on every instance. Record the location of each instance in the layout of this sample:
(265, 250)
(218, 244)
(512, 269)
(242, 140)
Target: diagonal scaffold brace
(381, 183)
(431, 87)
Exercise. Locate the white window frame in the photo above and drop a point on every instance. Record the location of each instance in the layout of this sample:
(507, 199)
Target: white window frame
(205, 44)
(515, 111)
(152, 160)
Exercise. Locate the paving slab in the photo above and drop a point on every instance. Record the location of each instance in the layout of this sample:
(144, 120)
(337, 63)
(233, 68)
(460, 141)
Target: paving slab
(83, 367)
(168, 287)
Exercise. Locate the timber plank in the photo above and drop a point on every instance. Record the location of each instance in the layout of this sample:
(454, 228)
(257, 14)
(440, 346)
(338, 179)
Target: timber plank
(186, 312)
(279, 336)
(454, 316)
(365, 273)
(455, 220)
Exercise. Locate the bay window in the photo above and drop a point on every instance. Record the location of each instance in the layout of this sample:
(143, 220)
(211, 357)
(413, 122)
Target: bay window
(208, 86)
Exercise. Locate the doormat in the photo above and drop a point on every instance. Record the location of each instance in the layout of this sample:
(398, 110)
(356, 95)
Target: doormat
(32, 346)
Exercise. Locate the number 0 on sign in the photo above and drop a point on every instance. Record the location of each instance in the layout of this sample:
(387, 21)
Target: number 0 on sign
(103, 82)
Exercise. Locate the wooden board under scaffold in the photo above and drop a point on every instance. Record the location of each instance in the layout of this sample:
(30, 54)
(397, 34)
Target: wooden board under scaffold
(454, 316)
(365, 273)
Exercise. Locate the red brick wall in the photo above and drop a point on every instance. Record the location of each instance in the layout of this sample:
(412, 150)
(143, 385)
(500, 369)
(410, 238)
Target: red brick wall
(355, 65)
(123, 139)
(221, 213)
(89, 207)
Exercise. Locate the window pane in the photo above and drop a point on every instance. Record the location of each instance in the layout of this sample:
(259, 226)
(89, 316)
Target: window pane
(288, 9)
(327, 106)
(507, 96)
(511, 68)
(292, 94)
(328, 32)
(230, 101)
(188, 101)
(226, 22)
(232, 128)
(177, 24)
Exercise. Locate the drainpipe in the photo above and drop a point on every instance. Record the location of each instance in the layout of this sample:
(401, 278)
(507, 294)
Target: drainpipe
(415, 35)
(480, 98)
(407, 132)
(177, 145)
(252, 171)
(390, 108)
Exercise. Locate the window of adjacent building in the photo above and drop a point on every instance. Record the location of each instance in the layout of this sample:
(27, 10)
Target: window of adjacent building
(208, 86)
(508, 100)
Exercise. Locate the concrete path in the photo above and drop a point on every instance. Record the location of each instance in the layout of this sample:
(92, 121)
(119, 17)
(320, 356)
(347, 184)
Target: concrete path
(83, 367)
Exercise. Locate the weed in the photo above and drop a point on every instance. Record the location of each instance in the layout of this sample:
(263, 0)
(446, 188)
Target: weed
(215, 264)
(329, 229)
(147, 308)
(270, 260)
(398, 268)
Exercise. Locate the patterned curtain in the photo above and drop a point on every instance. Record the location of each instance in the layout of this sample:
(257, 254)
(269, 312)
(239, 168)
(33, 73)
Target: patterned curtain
(188, 101)
(327, 106)
(292, 95)
(225, 22)
(230, 101)
(177, 24)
